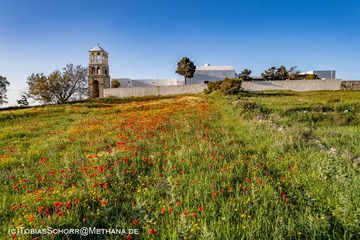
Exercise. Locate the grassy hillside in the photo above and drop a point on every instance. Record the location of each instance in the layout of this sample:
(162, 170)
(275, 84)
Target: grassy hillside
(273, 165)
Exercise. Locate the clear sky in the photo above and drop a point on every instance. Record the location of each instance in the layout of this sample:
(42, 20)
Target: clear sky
(146, 38)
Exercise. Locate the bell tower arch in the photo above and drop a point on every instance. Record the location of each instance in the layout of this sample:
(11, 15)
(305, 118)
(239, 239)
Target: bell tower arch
(99, 77)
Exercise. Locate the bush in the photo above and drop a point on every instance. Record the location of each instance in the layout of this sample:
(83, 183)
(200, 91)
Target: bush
(213, 86)
(228, 86)
(231, 85)
(115, 84)
(311, 77)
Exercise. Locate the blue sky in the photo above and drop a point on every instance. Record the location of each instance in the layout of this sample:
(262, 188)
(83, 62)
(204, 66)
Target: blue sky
(146, 38)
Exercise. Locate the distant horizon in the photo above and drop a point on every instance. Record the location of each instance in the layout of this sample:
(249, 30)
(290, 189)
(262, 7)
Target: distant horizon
(146, 39)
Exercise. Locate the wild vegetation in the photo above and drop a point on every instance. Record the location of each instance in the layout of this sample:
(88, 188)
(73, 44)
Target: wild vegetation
(4, 83)
(246, 166)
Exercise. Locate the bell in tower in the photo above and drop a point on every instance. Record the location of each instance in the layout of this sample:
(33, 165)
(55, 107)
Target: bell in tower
(99, 77)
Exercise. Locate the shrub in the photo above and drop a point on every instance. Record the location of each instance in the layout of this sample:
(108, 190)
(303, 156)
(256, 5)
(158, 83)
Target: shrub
(311, 77)
(213, 86)
(228, 86)
(115, 84)
(231, 85)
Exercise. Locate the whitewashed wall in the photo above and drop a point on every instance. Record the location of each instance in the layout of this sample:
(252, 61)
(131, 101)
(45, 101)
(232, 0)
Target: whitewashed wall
(154, 91)
(293, 85)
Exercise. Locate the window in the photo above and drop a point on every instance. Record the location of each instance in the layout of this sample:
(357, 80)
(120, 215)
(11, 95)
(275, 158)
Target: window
(98, 58)
(98, 70)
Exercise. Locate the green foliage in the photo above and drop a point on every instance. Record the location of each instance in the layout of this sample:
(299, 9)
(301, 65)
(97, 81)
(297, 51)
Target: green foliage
(269, 74)
(294, 74)
(311, 77)
(282, 73)
(213, 86)
(231, 85)
(115, 84)
(186, 68)
(4, 83)
(245, 75)
(59, 87)
(228, 86)
(23, 102)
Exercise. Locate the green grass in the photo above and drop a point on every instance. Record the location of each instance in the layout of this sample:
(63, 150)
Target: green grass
(275, 165)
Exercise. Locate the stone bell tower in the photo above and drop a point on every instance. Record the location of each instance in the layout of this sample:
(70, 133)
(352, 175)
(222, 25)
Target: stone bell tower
(99, 77)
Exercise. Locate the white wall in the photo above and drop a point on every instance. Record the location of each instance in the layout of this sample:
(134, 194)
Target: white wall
(293, 85)
(126, 82)
(154, 91)
(210, 75)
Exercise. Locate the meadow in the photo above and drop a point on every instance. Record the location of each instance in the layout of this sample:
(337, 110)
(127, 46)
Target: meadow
(274, 165)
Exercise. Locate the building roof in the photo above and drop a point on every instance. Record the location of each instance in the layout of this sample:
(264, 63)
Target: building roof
(97, 48)
(208, 67)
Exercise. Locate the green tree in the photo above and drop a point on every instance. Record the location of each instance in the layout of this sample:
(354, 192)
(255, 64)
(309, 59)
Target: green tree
(311, 77)
(23, 102)
(115, 84)
(245, 75)
(294, 74)
(186, 68)
(4, 83)
(281, 73)
(269, 74)
(59, 87)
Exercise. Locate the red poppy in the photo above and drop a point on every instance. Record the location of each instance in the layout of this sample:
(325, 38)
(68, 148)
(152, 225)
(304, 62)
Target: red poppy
(215, 194)
(103, 202)
(135, 222)
(200, 209)
(30, 218)
(68, 204)
(193, 214)
(163, 210)
(47, 212)
(58, 204)
(40, 208)
(76, 201)
(152, 231)
(59, 213)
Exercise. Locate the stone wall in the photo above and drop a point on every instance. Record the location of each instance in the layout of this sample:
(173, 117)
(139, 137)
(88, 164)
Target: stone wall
(154, 91)
(350, 85)
(293, 85)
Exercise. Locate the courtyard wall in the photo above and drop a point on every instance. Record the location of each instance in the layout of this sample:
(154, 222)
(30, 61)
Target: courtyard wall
(154, 90)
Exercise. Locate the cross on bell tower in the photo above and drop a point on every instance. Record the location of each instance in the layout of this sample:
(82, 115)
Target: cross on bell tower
(99, 77)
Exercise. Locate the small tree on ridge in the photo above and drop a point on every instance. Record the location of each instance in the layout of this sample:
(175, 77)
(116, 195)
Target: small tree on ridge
(186, 68)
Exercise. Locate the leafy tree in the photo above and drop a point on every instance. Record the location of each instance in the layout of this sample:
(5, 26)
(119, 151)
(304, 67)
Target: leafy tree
(281, 73)
(59, 87)
(3, 89)
(186, 68)
(115, 84)
(294, 74)
(23, 102)
(245, 75)
(311, 77)
(269, 74)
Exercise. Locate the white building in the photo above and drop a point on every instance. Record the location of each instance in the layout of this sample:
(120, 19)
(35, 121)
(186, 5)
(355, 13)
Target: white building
(322, 74)
(203, 74)
(208, 73)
